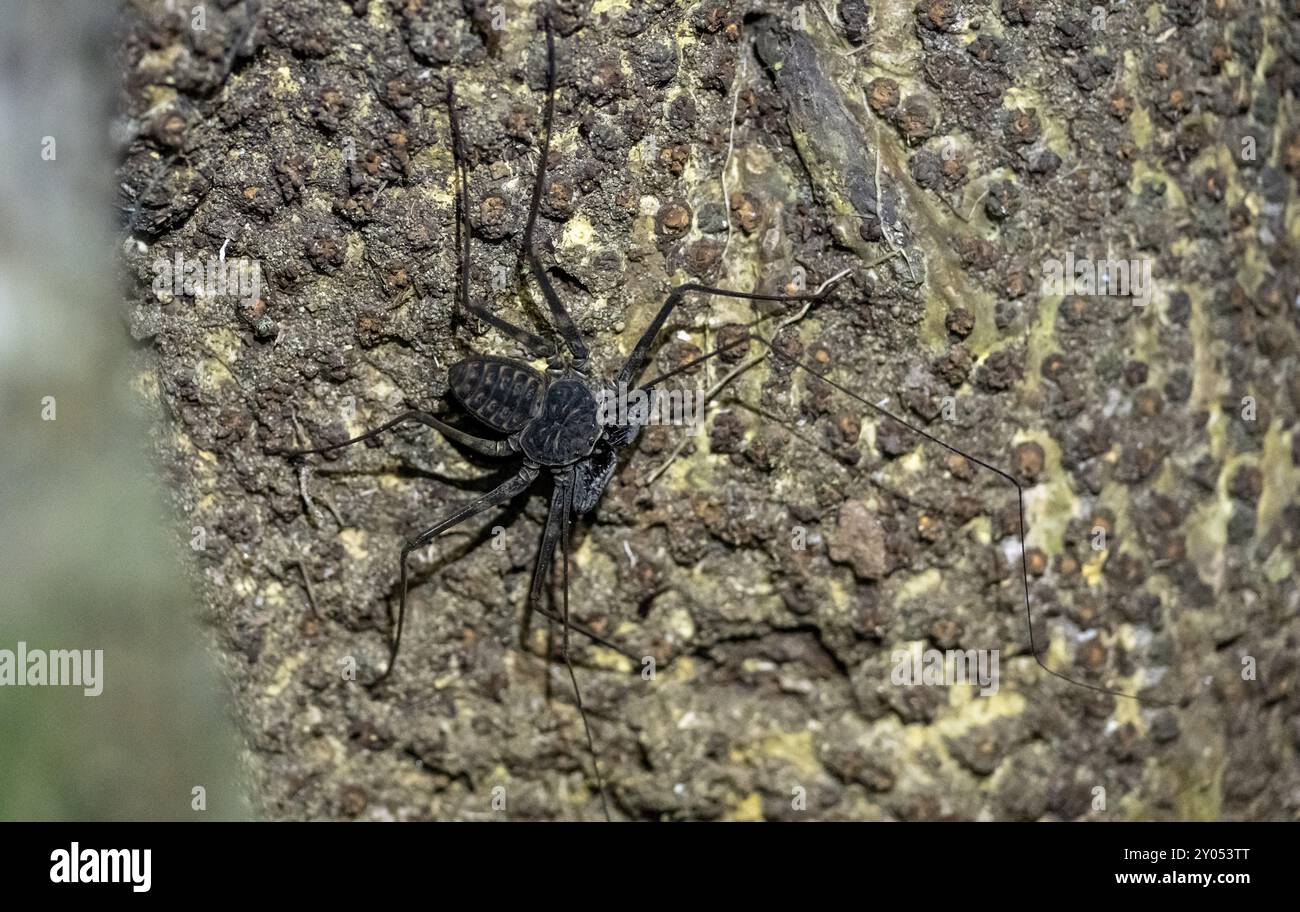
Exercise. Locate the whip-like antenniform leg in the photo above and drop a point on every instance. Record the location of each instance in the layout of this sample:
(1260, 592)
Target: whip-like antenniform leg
(477, 444)
(1005, 476)
(636, 361)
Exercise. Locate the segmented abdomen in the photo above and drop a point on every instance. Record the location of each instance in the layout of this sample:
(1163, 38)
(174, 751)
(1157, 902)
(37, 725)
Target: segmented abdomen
(501, 393)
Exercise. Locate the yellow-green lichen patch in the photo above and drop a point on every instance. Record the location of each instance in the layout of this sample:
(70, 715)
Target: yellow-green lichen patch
(1208, 384)
(748, 809)
(215, 372)
(1207, 536)
(919, 585)
(1147, 172)
(284, 85)
(1042, 342)
(284, 673)
(354, 542)
(1281, 479)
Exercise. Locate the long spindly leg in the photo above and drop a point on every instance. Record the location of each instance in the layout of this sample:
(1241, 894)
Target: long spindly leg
(477, 444)
(551, 534)
(640, 354)
(534, 344)
(559, 313)
(502, 493)
(557, 532)
(578, 627)
(1005, 476)
(542, 572)
(577, 694)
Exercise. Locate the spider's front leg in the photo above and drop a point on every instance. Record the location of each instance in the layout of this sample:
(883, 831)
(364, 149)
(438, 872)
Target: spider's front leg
(563, 320)
(819, 376)
(478, 444)
(636, 361)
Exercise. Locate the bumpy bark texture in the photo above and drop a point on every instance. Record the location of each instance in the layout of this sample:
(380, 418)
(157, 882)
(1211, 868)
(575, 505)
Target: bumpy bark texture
(778, 561)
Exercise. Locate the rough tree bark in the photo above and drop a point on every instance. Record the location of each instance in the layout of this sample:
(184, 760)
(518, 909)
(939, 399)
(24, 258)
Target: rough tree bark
(949, 153)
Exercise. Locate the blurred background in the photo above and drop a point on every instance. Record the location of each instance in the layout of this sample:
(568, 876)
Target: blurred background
(86, 559)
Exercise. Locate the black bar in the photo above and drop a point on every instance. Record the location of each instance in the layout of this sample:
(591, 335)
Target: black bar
(661, 863)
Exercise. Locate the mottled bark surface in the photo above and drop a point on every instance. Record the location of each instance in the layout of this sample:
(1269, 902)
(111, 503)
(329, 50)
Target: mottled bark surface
(947, 154)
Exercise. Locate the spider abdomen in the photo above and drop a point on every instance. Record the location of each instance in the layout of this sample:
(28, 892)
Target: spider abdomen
(502, 393)
(567, 429)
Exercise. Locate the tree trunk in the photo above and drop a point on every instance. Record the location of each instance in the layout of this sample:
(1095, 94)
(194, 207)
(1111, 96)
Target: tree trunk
(790, 569)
